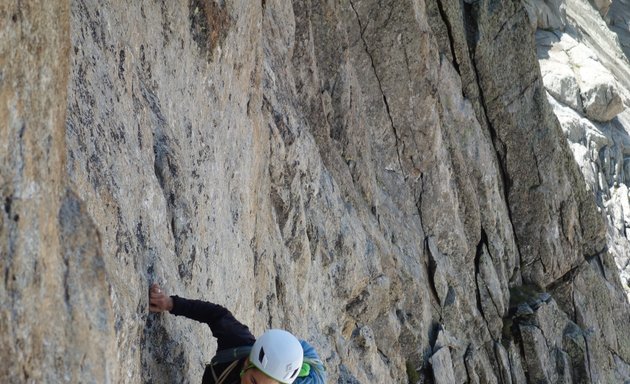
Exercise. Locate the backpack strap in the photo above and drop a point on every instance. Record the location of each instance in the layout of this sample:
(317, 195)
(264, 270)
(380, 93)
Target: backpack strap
(226, 373)
(230, 354)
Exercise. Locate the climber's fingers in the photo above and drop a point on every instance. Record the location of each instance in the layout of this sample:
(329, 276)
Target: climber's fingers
(159, 304)
(156, 292)
(155, 288)
(158, 300)
(154, 308)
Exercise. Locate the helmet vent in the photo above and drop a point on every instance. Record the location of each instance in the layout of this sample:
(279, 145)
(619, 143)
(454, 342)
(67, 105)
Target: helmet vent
(261, 355)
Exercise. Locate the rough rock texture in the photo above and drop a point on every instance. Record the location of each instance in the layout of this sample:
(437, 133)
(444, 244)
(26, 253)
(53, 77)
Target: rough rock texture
(618, 18)
(546, 14)
(56, 320)
(600, 141)
(574, 75)
(385, 179)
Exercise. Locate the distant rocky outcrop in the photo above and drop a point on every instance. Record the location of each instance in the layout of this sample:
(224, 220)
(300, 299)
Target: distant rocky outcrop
(586, 71)
(387, 179)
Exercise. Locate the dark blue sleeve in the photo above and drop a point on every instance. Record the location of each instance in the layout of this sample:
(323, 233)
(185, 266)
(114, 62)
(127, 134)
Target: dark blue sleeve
(230, 333)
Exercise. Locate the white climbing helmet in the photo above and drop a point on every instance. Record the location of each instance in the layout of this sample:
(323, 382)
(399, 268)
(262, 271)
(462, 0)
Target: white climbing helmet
(278, 354)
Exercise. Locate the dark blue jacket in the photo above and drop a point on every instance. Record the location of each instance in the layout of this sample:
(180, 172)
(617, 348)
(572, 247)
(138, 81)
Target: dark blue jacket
(230, 333)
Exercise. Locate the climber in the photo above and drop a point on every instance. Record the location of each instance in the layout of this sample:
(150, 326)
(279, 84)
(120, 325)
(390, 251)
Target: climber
(276, 357)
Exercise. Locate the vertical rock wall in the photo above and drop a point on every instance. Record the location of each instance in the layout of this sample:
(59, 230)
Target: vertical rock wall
(385, 179)
(544, 191)
(56, 321)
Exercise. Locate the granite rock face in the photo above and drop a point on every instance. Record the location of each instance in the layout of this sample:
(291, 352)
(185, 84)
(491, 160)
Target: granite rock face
(599, 134)
(546, 14)
(618, 20)
(385, 179)
(574, 75)
(56, 319)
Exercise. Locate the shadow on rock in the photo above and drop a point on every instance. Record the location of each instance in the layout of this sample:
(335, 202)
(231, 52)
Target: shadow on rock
(163, 358)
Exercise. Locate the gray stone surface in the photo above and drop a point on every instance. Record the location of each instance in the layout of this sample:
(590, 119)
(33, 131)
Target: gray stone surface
(573, 74)
(386, 180)
(618, 18)
(442, 365)
(606, 35)
(56, 315)
(546, 14)
(600, 148)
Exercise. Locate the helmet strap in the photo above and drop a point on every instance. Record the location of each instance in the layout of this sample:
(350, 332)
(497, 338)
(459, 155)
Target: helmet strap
(249, 366)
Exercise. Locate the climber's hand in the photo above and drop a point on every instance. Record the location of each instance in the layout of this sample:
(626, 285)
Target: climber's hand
(158, 300)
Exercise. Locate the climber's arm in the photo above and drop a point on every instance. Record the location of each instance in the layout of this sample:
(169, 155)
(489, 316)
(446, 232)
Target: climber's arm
(230, 333)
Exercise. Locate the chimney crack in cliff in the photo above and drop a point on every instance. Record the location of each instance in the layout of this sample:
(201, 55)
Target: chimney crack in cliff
(449, 32)
(494, 304)
(588, 359)
(495, 139)
(496, 307)
(380, 86)
(431, 265)
(480, 246)
(467, 357)
(486, 242)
